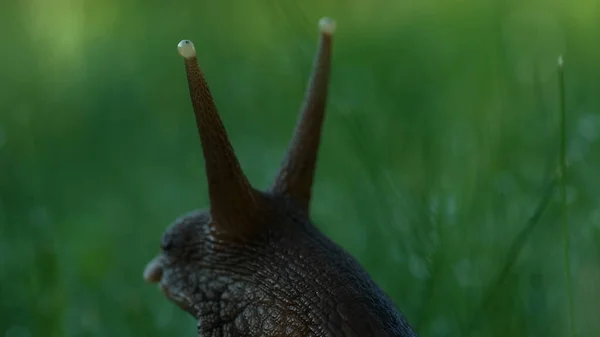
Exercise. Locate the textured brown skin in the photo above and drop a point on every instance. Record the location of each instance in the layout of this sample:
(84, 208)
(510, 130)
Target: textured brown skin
(254, 264)
(289, 280)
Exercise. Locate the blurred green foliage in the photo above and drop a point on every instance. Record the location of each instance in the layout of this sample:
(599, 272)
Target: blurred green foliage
(441, 138)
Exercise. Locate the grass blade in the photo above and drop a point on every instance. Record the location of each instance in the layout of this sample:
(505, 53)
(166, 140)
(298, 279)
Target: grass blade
(563, 193)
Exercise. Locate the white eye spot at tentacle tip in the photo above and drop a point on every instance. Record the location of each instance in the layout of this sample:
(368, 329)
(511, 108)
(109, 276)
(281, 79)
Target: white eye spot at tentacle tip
(327, 25)
(560, 61)
(186, 49)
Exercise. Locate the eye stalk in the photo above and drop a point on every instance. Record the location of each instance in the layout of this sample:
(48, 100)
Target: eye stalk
(186, 49)
(236, 207)
(295, 178)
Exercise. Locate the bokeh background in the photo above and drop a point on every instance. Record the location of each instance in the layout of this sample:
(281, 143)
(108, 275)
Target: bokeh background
(441, 143)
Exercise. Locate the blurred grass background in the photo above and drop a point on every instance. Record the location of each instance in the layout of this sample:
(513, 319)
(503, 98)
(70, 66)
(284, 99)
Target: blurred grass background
(441, 138)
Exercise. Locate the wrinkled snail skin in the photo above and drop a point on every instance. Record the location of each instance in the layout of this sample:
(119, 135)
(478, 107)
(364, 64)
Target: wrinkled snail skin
(253, 263)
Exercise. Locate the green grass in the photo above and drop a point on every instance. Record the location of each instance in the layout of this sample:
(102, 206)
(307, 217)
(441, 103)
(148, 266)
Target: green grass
(438, 168)
(563, 193)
